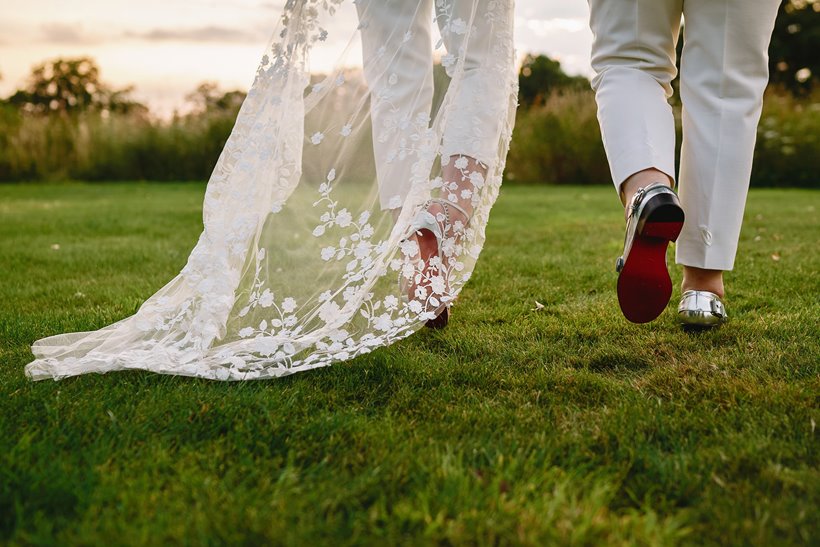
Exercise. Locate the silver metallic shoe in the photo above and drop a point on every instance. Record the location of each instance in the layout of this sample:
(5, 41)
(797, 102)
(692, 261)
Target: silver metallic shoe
(644, 286)
(701, 309)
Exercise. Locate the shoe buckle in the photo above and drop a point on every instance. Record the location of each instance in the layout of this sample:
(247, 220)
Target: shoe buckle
(638, 198)
(717, 307)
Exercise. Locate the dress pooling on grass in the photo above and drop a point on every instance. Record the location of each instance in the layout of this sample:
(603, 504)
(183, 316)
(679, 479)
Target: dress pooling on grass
(308, 208)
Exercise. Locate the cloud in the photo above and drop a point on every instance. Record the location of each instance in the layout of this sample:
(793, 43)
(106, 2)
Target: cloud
(247, 4)
(62, 33)
(537, 9)
(545, 27)
(203, 34)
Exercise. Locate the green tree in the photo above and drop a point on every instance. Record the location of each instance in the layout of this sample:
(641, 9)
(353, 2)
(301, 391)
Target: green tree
(208, 98)
(793, 59)
(540, 76)
(66, 86)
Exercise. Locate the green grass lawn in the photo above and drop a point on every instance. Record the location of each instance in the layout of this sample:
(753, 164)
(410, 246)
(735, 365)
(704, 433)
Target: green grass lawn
(562, 425)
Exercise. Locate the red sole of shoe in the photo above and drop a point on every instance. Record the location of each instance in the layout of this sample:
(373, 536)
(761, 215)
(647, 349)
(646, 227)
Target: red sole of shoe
(644, 285)
(440, 321)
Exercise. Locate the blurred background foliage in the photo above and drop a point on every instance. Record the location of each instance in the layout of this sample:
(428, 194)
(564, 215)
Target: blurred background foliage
(68, 124)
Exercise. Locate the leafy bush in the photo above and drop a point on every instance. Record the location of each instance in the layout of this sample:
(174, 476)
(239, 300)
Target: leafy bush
(95, 147)
(559, 142)
(788, 140)
(555, 142)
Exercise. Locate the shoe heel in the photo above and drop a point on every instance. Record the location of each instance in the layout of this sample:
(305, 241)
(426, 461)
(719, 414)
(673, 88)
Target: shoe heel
(662, 230)
(644, 285)
(440, 321)
(662, 218)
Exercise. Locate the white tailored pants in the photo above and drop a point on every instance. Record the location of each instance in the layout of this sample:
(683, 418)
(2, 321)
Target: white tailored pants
(724, 71)
(397, 51)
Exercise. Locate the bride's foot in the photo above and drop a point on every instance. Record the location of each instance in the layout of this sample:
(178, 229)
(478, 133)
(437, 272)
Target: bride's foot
(439, 225)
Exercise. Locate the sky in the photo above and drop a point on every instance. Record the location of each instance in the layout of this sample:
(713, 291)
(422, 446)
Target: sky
(165, 48)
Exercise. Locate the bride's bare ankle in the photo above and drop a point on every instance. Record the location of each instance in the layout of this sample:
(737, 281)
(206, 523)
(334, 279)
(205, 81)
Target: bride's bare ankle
(463, 177)
(641, 179)
(699, 279)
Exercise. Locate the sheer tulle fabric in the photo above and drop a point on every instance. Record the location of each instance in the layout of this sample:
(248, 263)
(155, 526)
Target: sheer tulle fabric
(308, 249)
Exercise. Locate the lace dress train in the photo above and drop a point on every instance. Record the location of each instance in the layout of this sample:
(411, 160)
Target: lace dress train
(309, 211)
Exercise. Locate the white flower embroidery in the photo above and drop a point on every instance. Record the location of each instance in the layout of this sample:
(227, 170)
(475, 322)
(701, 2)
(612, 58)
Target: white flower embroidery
(288, 305)
(477, 179)
(317, 137)
(409, 247)
(265, 345)
(383, 322)
(362, 250)
(329, 311)
(437, 284)
(266, 300)
(458, 26)
(344, 218)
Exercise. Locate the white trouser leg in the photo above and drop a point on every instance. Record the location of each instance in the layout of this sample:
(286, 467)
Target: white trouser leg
(480, 103)
(633, 56)
(724, 71)
(398, 61)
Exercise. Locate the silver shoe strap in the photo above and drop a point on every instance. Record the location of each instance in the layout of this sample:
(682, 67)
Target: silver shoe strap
(446, 204)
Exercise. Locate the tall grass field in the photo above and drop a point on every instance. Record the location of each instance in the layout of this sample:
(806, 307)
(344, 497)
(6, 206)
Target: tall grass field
(555, 142)
(539, 416)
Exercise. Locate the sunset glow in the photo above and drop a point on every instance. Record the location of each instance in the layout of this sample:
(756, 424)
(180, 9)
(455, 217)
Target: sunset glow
(165, 48)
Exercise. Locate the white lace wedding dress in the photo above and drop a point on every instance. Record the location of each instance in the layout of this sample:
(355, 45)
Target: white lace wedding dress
(307, 251)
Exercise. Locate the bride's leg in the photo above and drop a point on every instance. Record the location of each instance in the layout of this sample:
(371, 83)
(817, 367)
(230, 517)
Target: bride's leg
(397, 56)
(471, 132)
(474, 107)
(460, 178)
